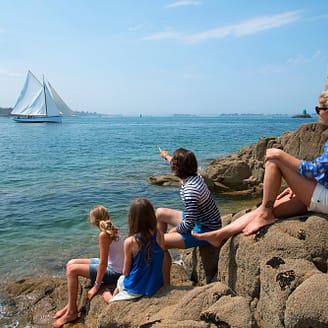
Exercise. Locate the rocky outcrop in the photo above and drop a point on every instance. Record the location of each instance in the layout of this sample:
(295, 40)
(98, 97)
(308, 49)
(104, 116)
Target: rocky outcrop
(241, 174)
(281, 271)
(274, 278)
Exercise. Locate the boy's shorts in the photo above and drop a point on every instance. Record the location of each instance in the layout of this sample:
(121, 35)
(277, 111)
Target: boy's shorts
(190, 241)
(319, 200)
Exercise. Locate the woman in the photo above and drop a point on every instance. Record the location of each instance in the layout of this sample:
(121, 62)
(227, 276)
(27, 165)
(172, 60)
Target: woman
(307, 190)
(200, 212)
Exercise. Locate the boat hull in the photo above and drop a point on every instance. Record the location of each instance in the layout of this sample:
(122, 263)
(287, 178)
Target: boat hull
(33, 119)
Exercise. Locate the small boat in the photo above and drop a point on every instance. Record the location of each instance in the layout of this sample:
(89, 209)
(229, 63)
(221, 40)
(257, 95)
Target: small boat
(304, 114)
(39, 103)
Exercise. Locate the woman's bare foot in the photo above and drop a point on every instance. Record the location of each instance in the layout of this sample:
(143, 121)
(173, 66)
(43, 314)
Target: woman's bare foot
(213, 237)
(61, 312)
(66, 318)
(107, 295)
(260, 220)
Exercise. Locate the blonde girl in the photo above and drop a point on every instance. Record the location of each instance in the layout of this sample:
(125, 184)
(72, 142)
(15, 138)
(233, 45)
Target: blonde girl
(105, 269)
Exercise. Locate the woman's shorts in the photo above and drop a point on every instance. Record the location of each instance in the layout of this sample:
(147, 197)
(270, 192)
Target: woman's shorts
(319, 200)
(123, 294)
(110, 276)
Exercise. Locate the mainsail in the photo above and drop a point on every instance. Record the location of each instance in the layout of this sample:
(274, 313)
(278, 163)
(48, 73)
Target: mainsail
(40, 100)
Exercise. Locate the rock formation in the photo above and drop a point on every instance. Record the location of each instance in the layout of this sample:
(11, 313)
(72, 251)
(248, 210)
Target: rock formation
(241, 174)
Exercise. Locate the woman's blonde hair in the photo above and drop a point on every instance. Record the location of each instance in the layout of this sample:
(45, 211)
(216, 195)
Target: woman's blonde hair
(323, 99)
(99, 216)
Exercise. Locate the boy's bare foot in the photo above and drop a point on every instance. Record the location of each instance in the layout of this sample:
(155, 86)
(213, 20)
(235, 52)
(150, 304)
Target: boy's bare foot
(213, 237)
(107, 295)
(65, 319)
(259, 221)
(61, 312)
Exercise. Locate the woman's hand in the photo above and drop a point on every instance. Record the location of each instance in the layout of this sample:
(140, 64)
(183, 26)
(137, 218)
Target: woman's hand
(272, 154)
(287, 192)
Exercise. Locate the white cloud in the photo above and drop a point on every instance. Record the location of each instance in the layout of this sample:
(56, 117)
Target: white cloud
(184, 3)
(247, 27)
(165, 35)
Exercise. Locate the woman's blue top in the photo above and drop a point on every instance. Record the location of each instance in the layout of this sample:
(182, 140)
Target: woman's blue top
(318, 169)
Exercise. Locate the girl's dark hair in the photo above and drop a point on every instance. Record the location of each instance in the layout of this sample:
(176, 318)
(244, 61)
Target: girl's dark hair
(184, 163)
(142, 221)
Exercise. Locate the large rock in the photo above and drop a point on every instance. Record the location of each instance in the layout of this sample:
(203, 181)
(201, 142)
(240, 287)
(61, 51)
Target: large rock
(244, 170)
(307, 306)
(241, 174)
(274, 278)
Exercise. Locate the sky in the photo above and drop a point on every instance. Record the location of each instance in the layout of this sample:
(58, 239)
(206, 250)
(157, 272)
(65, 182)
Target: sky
(164, 57)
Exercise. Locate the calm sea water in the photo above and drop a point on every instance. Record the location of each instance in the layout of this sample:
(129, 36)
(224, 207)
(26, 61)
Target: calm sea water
(52, 174)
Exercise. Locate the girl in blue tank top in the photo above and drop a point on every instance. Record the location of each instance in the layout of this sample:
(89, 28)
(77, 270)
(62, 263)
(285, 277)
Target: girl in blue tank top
(143, 255)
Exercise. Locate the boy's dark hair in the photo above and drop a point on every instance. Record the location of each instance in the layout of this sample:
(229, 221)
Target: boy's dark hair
(184, 163)
(142, 221)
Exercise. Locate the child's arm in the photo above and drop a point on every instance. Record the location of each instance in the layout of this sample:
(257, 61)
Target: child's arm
(165, 154)
(104, 242)
(160, 239)
(127, 248)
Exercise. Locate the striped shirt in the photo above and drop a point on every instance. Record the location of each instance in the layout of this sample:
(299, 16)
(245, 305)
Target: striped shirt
(199, 205)
(318, 169)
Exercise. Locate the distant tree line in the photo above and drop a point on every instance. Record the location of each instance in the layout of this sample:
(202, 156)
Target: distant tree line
(5, 111)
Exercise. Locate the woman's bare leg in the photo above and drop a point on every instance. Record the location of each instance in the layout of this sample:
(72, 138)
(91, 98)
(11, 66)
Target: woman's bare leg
(302, 187)
(217, 237)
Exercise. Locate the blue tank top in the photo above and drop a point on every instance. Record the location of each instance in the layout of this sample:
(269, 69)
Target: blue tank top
(146, 278)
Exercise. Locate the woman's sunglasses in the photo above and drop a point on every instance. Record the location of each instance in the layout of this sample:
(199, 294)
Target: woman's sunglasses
(318, 109)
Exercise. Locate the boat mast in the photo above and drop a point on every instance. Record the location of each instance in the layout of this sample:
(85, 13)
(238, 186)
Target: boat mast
(45, 98)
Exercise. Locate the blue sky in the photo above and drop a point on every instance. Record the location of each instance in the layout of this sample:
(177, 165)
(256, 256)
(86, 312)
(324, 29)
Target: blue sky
(161, 57)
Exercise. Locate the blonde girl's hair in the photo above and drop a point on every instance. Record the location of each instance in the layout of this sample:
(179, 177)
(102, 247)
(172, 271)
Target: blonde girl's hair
(142, 221)
(99, 216)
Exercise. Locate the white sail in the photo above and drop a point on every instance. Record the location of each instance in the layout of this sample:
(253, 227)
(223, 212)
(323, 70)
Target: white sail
(39, 101)
(61, 105)
(31, 99)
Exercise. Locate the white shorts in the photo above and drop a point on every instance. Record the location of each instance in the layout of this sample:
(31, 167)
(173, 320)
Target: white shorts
(319, 200)
(123, 294)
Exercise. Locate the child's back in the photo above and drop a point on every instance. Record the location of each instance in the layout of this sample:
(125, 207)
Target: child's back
(146, 275)
(143, 255)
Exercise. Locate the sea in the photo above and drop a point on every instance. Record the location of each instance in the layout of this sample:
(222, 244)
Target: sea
(53, 174)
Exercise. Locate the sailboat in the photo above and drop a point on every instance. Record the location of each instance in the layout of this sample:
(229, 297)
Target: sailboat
(39, 102)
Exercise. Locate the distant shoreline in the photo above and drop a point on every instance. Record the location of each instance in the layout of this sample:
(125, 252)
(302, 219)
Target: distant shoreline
(5, 111)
